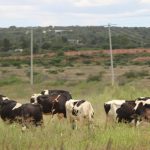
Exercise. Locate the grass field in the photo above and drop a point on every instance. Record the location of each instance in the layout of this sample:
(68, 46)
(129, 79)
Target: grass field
(90, 82)
(58, 135)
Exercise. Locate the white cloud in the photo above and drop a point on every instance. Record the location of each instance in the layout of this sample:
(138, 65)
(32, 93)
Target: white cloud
(145, 1)
(88, 3)
(78, 2)
(71, 12)
(88, 19)
(15, 11)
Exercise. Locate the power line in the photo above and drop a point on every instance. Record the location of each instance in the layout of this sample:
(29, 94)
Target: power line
(131, 34)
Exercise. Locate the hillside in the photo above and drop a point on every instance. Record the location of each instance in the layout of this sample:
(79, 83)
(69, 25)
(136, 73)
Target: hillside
(53, 39)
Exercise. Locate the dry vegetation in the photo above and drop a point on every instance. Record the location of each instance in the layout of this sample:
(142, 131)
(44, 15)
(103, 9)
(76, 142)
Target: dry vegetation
(90, 82)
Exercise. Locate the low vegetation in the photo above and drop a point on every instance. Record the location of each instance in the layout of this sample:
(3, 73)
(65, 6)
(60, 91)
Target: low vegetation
(58, 135)
(71, 38)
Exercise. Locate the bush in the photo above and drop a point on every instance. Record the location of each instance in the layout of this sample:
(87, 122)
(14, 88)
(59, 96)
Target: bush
(94, 78)
(87, 62)
(10, 80)
(80, 73)
(53, 71)
(136, 74)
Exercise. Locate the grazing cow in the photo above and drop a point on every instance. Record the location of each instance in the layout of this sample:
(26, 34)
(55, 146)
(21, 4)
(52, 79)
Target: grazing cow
(111, 107)
(80, 110)
(25, 114)
(57, 92)
(52, 104)
(127, 111)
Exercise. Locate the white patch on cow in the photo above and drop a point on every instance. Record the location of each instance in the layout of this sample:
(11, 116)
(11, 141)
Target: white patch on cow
(46, 92)
(114, 105)
(141, 97)
(34, 96)
(5, 98)
(17, 106)
(116, 102)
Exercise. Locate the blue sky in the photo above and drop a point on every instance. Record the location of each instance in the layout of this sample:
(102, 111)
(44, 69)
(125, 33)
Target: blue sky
(74, 12)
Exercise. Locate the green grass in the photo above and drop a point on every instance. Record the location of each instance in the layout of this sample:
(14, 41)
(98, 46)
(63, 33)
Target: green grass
(58, 135)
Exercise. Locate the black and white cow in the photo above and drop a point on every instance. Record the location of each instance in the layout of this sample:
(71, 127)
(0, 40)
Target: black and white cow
(127, 111)
(25, 114)
(57, 92)
(53, 103)
(79, 110)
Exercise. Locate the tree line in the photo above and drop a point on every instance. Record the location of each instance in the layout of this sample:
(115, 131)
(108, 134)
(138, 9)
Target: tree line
(60, 38)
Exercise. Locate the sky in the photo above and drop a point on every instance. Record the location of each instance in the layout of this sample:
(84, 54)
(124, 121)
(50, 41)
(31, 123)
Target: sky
(22, 13)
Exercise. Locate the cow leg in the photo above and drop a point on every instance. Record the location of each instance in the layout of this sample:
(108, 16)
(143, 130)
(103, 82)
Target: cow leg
(106, 122)
(24, 125)
(60, 116)
(74, 124)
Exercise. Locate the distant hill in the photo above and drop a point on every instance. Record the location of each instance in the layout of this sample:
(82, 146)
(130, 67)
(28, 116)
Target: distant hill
(59, 38)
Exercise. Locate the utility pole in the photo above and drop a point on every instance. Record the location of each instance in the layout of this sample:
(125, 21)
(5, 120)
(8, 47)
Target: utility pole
(31, 60)
(111, 55)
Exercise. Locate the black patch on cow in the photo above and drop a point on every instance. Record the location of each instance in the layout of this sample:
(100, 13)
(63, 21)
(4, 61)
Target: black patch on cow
(74, 103)
(125, 112)
(74, 112)
(107, 108)
(32, 100)
(78, 103)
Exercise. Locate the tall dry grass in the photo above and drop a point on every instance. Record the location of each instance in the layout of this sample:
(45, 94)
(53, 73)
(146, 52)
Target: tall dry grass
(58, 135)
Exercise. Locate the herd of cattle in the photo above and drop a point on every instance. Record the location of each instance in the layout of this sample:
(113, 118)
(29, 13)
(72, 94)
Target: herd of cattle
(60, 102)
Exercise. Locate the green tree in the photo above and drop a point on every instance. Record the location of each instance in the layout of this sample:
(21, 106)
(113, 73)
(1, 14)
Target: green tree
(6, 44)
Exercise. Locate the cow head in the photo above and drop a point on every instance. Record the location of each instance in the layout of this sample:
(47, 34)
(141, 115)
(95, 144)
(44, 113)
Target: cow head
(34, 98)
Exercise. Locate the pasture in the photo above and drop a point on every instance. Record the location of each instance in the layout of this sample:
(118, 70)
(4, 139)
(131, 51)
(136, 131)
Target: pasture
(58, 135)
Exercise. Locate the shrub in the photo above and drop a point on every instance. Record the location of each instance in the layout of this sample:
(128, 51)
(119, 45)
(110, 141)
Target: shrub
(53, 71)
(10, 80)
(80, 73)
(94, 78)
(136, 74)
